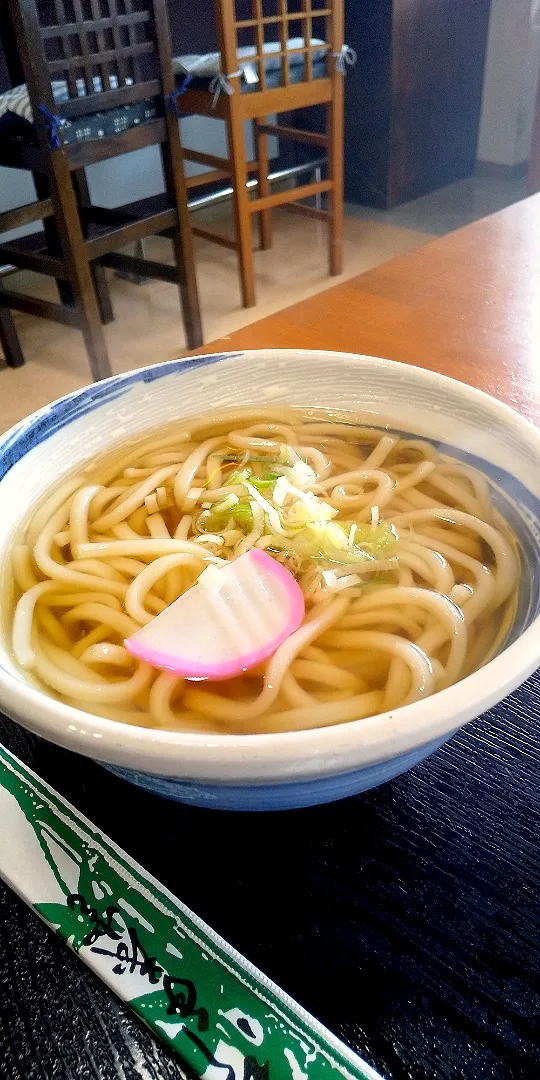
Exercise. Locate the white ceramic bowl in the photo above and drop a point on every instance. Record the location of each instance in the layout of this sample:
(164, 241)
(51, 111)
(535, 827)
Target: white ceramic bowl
(260, 772)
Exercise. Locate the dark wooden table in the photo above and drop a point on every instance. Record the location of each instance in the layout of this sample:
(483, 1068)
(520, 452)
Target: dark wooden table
(405, 918)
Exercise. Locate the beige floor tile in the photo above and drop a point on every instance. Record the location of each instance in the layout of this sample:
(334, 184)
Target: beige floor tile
(148, 325)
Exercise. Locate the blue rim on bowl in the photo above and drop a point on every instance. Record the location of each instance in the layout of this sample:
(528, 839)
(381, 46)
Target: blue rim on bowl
(306, 767)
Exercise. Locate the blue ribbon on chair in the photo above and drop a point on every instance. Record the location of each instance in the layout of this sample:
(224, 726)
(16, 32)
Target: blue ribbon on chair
(53, 124)
(346, 55)
(170, 99)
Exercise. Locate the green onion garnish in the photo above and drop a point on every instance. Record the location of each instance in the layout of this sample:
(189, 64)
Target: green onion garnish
(267, 480)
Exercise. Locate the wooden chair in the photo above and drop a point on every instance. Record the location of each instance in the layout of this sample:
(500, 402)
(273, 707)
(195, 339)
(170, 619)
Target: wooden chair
(240, 101)
(112, 61)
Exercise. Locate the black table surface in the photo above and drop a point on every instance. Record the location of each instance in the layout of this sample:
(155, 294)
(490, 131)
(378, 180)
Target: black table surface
(406, 919)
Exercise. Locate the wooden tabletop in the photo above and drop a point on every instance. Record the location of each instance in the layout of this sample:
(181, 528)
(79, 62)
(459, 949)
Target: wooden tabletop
(467, 305)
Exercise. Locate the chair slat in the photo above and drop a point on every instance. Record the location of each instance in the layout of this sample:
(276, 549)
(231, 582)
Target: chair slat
(311, 138)
(128, 234)
(109, 99)
(259, 42)
(38, 261)
(25, 215)
(123, 69)
(45, 309)
(98, 23)
(215, 238)
(123, 52)
(273, 20)
(280, 198)
(284, 37)
(83, 44)
(307, 27)
(132, 41)
(61, 16)
(106, 68)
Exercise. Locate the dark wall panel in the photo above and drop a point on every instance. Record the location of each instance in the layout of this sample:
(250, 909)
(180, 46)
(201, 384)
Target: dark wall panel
(413, 101)
(193, 26)
(368, 28)
(438, 57)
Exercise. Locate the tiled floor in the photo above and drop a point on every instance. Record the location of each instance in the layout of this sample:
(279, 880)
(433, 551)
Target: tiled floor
(148, 326)
(450, 207)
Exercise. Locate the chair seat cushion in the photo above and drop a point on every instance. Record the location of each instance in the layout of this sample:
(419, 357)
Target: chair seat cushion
(273, 79)
(202, 68)
(17, 121)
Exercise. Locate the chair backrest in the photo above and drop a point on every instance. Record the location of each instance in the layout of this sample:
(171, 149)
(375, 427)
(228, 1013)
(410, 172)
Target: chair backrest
(100, 54)
(256, 23)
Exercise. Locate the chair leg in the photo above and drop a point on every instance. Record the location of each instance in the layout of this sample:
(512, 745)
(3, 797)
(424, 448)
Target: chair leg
(65, 292)
(103, 296)
(187, 287)
(237, 158)
(68, 223)
(85, 299)
(184, 259)
(265, 216)
(335, 173)
(89, 316)
(9, 339)
(93, 336)
(99, 275)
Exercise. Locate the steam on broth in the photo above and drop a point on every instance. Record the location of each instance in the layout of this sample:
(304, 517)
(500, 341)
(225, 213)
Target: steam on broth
(409, 573)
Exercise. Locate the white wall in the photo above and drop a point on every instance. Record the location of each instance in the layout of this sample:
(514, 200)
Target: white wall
(511, 72)
(132, 176)
(16, 189)
(139, 174)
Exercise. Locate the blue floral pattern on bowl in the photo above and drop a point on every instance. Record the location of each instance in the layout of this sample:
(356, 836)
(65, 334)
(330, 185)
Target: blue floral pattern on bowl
(517, 503)
(278, 796)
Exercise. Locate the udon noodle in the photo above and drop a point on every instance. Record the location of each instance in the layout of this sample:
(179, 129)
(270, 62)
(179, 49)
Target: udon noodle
(408, 571)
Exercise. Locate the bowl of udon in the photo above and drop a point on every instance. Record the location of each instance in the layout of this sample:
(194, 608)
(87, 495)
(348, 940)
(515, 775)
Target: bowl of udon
(404, 508)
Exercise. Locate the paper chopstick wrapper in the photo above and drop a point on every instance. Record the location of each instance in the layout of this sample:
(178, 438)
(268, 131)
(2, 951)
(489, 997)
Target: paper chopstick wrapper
(224, 1018)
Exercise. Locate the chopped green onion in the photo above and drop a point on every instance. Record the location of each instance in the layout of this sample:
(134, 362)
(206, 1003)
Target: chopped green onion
(215, 521)
(267, 480)
(272, 515)
(264, 460)
(241, 458)
(239, 476)
(287, 456)
(243, 514)
(330, 543)
(227, 503)
(375, 540)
